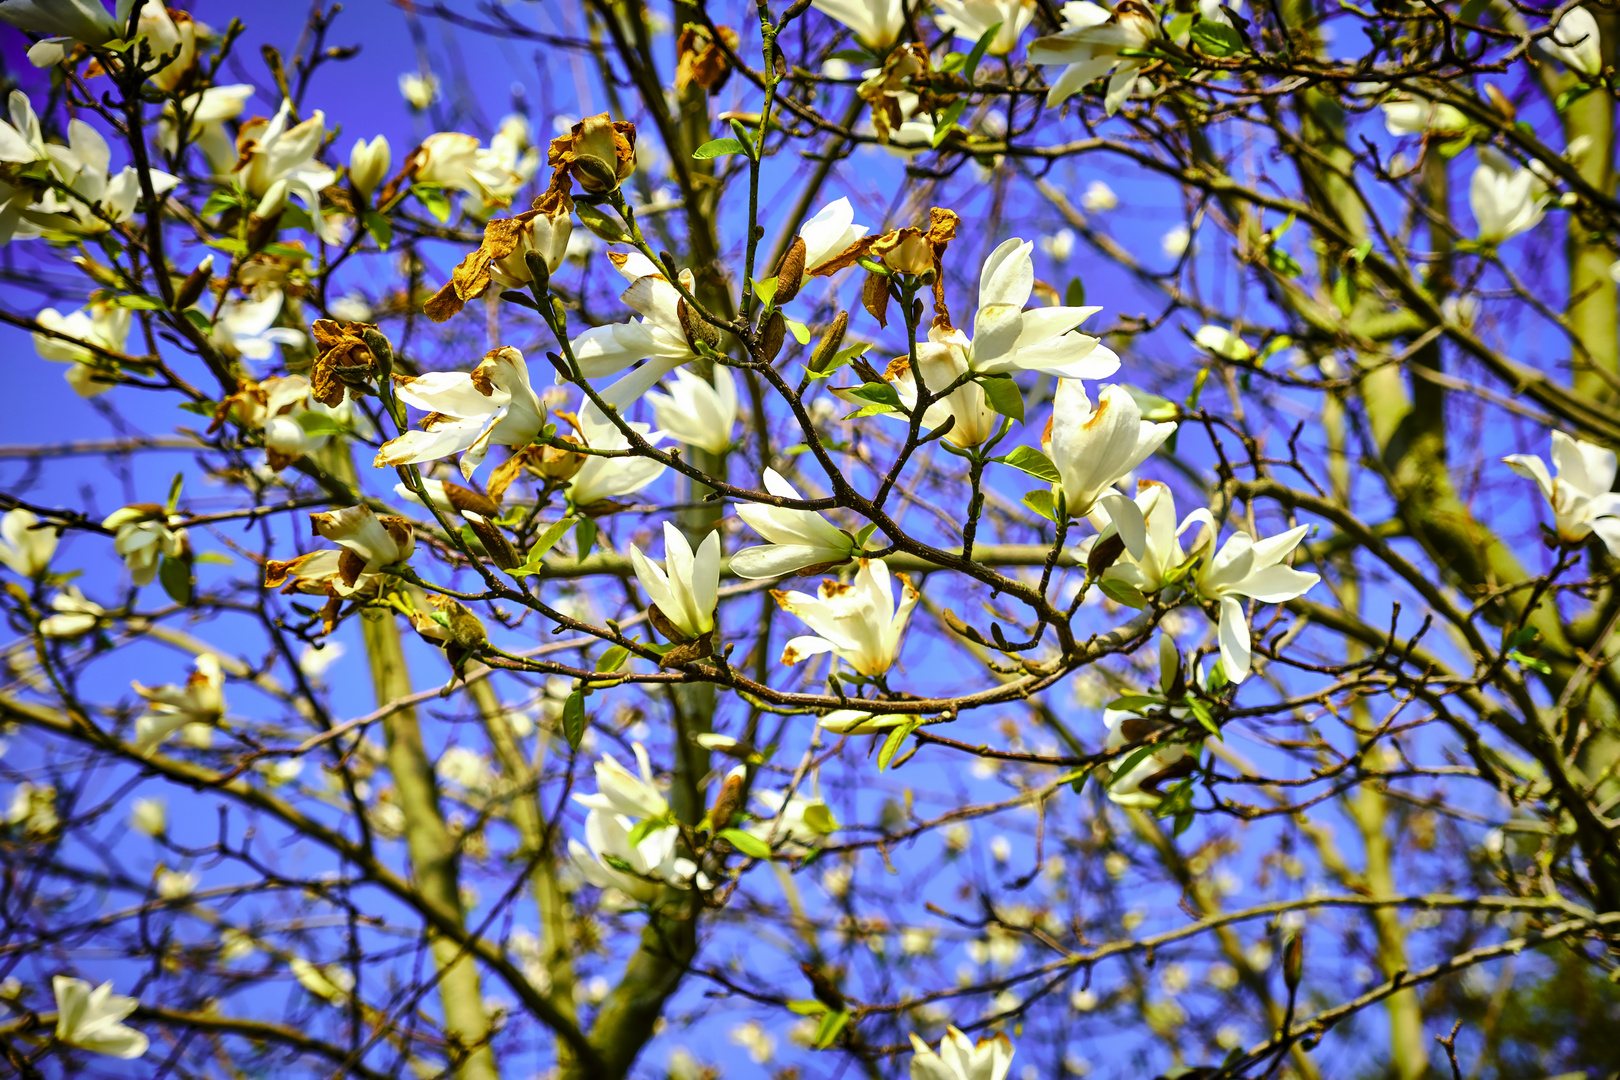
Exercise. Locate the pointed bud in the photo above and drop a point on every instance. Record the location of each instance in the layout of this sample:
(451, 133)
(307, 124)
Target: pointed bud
(1294, 959)
(368, 164)
(729, 801)
(1170, 669)
(790, 271)
(775, 332)
(495, 542)
(830, 341)
(191, 289)
(698, 329)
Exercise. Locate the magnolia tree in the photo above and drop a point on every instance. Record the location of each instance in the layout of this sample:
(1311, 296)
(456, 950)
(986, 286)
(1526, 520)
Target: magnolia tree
(709, 596)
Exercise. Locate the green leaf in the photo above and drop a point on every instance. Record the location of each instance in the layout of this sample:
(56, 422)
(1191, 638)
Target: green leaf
(719, 148)
(841, 358)
(175, 575)
(745, 136)
(1531, 662)
(1283, 263)
(220, 200)
(380, 228)
(832, 1022)
(227, 244)
(599, 223)
(533, 561)
(806, 1007)
(139, 302)
(1215, 38)
(891, 744)
(573, 718)
(1132, 760)
(1134, 703)
(1002, 395)
(1200, 710)
(766, 290)
(1041, 502)
(865, 534)
(174, 492)
(214, 558)
(1032, 461)
(853, 56)
(584, 538)
(818, 818)
(436, 201)
(315, 424)
(1075, 294)
(946, 122)
(200, 321)
(747, 843)
(1123, 593)
(613, 659)
(800, 332)
(878, 393)
(986, 39)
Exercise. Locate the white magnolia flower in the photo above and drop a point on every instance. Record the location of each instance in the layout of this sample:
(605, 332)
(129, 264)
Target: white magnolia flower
(1006, 338)
(855, 722)
(505, 165)
(660, 336)
(454, 160)
(149, 816)
(1580, 497)
(329, 982)
(33, 806)
(1222, 342)
(1253, 568)
(316, 662)
(1159, 553)
(696, 413)
(24, 549)
(1126, 729)
(1576, 42)
(859, 623)
(603, 478)
(1094, 449)
(466, 768)
(1059, 246)
(368, 164)
(277, 162)
(753, 1037)
(419, 90)
(943, 358)
(1098, 197)
(877, 24)
(374, 542)
(99, 198)
(1414, 116)
(620, 791)
(205, 114)
(960, 1058)
(75, 614)
(174, 884)
(686, 588)
(640, 871)
(104, 326)
(493, 405)
(798, 539)
(969, 19)
(144, 535)
(829, 234)
(802, 821)
(1176, 242)
(92, 1019)
(1507, 199)
(245, 325)
(1089, 46)
(169, 708)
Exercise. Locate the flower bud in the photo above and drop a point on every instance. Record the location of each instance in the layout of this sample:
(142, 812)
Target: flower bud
(698, 329)
(558, 464)
(775, 332)
(790, 271)
(1294, 959)
(729, 801)
(1170, 669)
(830, 341)
(368, 164)
(495, 542)
(600, 153)
(191, 289)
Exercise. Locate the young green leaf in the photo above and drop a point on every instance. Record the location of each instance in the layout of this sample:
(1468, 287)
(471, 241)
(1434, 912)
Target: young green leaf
(719, 148)
(746, 843)
(599, 223)
(980, 47)
(1002, 395)
(1032, 461)
(573, 718)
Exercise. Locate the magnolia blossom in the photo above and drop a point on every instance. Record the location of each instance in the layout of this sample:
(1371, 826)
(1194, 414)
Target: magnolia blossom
(1176, 242)
(278, 161)
(829, 233)
(859, 623)
(245, 326)
(686, 588)
(960, 1058)
(620, 791)
(1059, 245)
(1006, 338)
(638, 871)
(601, 478)
(92, 1019)
(1576, 42)
(144, 535)
(205, 114)
(368, 164)
(493, 405)
(419, 90)
(149, 816)
(1507, 199)
(454, 160)
(75, 614)
(1098, 197)
(696, 413)
(372, 542)
(25, 550)
(970, 19)
(104, 326)
(801, 821)
(664, 336)
(877, 24)
(1094, 449)
(1089, 46)
(1126, 729)
(1158, 551)
(942, 359)
(1253, 568)
(509, 162)
(1414, 116)
(169, 708)
(1580, 497)
(798, 539)
(97, 198)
